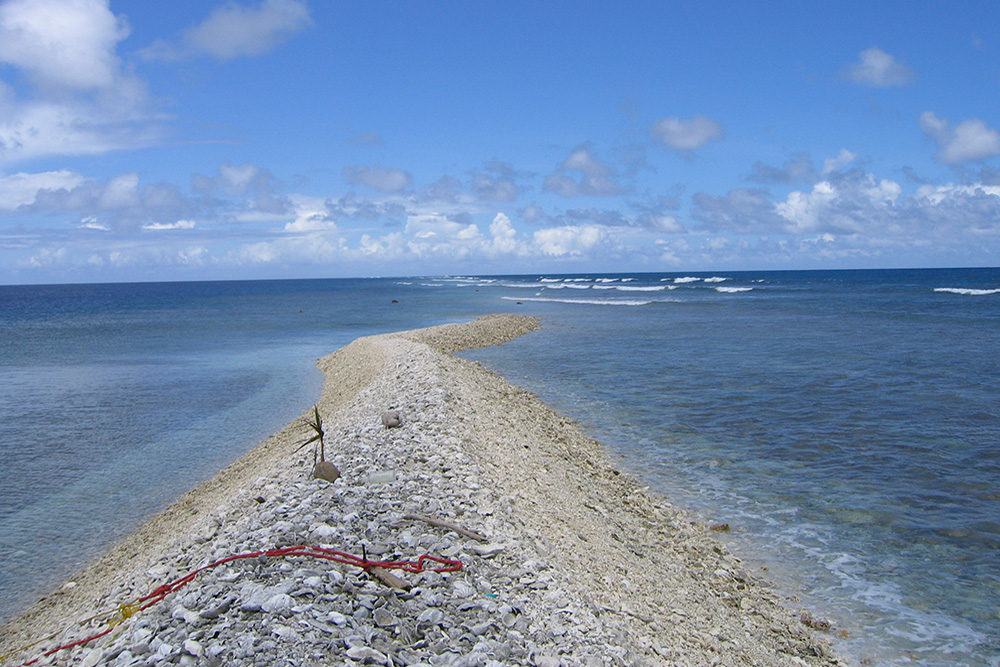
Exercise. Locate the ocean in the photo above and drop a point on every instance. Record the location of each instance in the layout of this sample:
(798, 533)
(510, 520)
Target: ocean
(844, 424)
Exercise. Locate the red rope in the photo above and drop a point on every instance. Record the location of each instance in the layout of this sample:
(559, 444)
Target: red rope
(127, 610)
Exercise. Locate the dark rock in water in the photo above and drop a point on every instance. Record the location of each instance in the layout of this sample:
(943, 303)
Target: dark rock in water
(391, 419)
(326, 470)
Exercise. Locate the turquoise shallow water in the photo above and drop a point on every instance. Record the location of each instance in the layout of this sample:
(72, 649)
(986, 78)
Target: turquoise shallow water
(845, 424)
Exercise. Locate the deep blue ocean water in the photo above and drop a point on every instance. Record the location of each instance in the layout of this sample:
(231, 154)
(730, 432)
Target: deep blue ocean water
(845, 424)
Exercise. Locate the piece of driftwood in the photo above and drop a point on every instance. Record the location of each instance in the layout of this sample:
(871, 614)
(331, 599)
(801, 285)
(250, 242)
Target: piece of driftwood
(388, 578)
(450, 526)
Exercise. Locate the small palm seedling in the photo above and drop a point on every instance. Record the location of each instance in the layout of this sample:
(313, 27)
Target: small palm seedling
(322, 468)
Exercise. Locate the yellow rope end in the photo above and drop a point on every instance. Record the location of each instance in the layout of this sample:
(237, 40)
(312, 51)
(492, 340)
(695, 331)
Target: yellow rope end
(125, 611)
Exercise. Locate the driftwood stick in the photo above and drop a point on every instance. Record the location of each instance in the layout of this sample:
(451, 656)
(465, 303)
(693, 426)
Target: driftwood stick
(388, 578)
(450, 526)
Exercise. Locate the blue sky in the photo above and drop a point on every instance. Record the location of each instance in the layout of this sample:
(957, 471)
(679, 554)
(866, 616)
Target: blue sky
(288, 138)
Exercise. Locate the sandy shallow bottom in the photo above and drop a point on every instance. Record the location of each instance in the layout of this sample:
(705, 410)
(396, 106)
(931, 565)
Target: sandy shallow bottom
(582, 565)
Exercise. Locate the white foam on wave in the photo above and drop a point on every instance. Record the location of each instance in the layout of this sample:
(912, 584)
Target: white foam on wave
(640, 288)
(591, 302)
(606, 280)
(716, 279)
(967, 291)
(550, 280)
(634, 288)
(733, 290)
(686, 279)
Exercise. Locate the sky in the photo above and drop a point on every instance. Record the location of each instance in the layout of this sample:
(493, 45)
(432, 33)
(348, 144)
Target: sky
(260, 139)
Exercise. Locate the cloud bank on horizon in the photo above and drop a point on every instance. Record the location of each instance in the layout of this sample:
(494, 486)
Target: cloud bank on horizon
(282, 138)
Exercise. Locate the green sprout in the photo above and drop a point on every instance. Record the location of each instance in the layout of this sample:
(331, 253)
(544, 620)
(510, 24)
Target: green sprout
(316, 424)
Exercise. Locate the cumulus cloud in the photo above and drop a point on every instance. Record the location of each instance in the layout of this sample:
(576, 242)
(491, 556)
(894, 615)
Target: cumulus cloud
(433, 235)
(504, 235)
(844, 158)
(878, 69)
(383, 179)
(583, 174)
(852, 204)
(936, 195)
(121, 203)
(295, 250)
(81, 100)
(962, 220)
(968, 141)
(62, 44)
(686, 135)
(568, 240)
(22, 189)
(235, 30)
(311, 214)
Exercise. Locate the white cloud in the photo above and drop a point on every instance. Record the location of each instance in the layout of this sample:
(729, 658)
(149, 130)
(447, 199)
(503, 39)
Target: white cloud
(384, 179)
(120, 192)
(180, 224)
(936, 195)
(846, 206)
(39, 128)
(22, 189)
(82, 102)
(504, 236)
(48, 257)
(62, 44)
(235, 30)
(314, 248)
(968, 141)
(311, 214)
(686, 135)
(667, 224)
(568, 240)
(956, 216)
(121, 203)
(90, 222)
(430, 235)
(878, 69)
(582, 174)
(844, 158)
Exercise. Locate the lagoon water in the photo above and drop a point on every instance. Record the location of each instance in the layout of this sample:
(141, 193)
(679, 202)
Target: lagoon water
(845, 424)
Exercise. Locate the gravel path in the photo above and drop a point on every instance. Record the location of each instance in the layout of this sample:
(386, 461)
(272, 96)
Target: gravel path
(581, 566)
